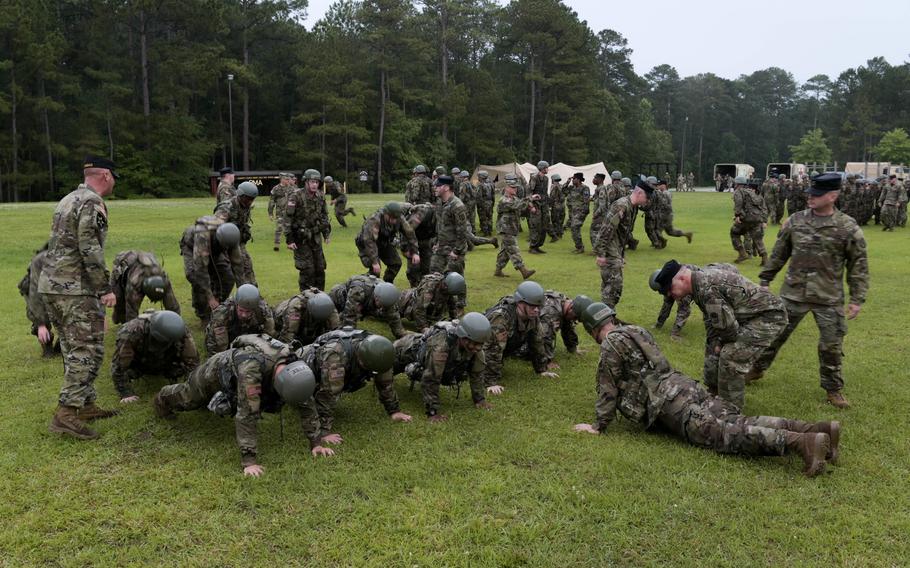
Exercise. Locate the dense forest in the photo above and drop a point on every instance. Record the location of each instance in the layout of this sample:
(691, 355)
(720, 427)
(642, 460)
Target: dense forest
(173, 89)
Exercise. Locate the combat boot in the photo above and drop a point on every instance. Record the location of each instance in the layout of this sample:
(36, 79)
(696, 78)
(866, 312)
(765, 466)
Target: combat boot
(495, 242)
(743, 255)
(91, 412)
(813, 447)
(276, 248)
(499, 273)
(526, 273)
(832, 429)
(838, 400)
(535, 250)
(764, 259)
(688, 235)
(66, 422)
(579, 251)
(753, 375)
(162, 408)
(47, 350)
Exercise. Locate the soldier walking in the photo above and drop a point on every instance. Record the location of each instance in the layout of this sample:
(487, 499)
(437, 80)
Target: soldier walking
(539, 216)
(557, 203)
(278, 203)
(486, 197)
(510, 209)
(577, 202)
(307, 225)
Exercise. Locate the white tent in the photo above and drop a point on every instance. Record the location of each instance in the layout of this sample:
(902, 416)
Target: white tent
(526, 170)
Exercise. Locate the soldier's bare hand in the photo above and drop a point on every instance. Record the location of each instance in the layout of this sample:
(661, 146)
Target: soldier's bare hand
(44, 335)
(322, 451)
(437, 418)
(483, 405)
(292, 246)
(254, 470)
(129, 399)
(853, 311)
(333, 439)
(601, 261)
(496, 389)
(550, 375)
(109, 300)
(401, 417)
(586, 428)
(213, 303)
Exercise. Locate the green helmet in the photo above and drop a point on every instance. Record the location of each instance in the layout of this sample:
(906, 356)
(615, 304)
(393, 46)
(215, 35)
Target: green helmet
(782, 176)
(311, 174)
(248, 189)
(626, 182)
(227, 235)
(167, 326)
(394, 208)
(376, 353)
(652, 281)
(652, 180)
(616, 174)
(814, 173)
(475, 326)
(296, 383)
(320, 306)
(440, 171)
(386, 294)
(740, 180)
(328, 179)
(483, 174)
(154, 287)
(455, 171)
(580, 304)
(556, 177)
(530, 292)
(420, 169)
(247, 296)
(465, 174)
(542, 165)
(455, 284)
(596, 314)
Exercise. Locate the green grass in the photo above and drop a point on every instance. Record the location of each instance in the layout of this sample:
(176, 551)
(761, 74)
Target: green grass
(510, 487)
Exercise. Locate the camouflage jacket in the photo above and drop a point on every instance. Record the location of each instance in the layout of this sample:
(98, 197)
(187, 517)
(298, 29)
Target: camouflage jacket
(557, 198)
(615, 232)
(890, 195)
(819, 250)
(225, 191)
(466, 192)
(553, 322)
(225, 325)
(509, 334)
(601, 204)
(35, 303)
(422, 218)
(770, 190)
(428, 302)
(306, 217)
(74, 265)
(578, 198)
(130, 269)
(728, 300)
(538, 185)
(418, 190)
(451, 228)
(231, 211)
(292, 320)
(435, 357)
(378, 232)
(486, 193)
(137, 354)
(354, 301)
(509, 211)
(199, 242)
(748, 205)
(614, 191)
(278, 200)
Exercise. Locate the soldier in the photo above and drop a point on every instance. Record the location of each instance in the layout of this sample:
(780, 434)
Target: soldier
(577, 201)
(307, 225)
(683, 307)
(343, 361)
(665, 219)
(418, 189)
(600, 204)
(451, 232)
(339, 200)
(749, 216)
(442, 355)
(243, 314)
(820, 244)
(770, 190)
(155, 343)
(557, 203)
(558, 316)
(237, 210)
(486, 197)
(515, 322)
(36, 308)
(135, 275)
(741, 321)
(617, 188)
(538, 188)
(436, 294)
(889, 202)
(614, 235)
(467, 195)
(226, 189)
(365, 295)
(680, 182)
(902, 199)
(377, 238)
(278, 203)
(422, 219)
(76, 288)
(211, 262)
(634, 378)
(257, 374)
(305, 316)
(690, 181)
(510, 209)
(796, 196)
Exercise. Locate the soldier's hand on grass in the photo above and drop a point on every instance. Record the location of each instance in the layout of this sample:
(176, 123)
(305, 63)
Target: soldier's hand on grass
(109, 300)
(254, 470)
(322, 451)
(601, 261)
(292, 246)
(437, 418)
(483, 405)
(129, 399)
(550, 375)
(853, 311)
(496, 389)
(213, 303)
(401, 417)
(586, 428)
(44, 336)
(333, 439)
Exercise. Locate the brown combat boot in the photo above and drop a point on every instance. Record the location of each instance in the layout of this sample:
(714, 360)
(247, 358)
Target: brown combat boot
(162, 408)
(813, 447)
(499, 273)
(764, 259)
(526, 273)
(743, 255)
(832, 429)
(688, 235)
(66, 422)
(276, 248)
(838, 400)
(91, 412)
(753, 375)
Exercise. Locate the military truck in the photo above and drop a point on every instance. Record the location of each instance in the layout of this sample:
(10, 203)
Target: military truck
(732, 171)
(873, 170)
(789, 170)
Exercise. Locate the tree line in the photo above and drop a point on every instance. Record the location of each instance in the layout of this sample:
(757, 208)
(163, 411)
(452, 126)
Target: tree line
(174, 89)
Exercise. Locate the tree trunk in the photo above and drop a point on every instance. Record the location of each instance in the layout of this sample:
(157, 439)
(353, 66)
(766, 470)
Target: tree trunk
(322, 163)
(14, 186)
(533, 94)
(444, 66)
(110, 134)
(543, 133)
(47, 135)
(246, 108)
(701, 138)
(382, 92)
(218, 105)
(144, 65)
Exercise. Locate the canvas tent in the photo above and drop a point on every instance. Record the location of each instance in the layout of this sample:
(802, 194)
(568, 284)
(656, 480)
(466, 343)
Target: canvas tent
(526, 170)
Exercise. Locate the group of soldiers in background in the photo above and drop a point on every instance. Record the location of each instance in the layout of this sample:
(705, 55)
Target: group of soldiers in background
(685, 182)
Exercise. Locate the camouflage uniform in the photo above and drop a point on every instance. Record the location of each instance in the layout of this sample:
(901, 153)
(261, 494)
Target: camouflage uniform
(225, 191)
(293, 322)
(769, 191)
(332, 357)
(538, 220)
(451, 237)
(507, 223)
(683, 311)
(486, 197)
(902, 206)
(377, 242)
(307, 224)
(435, 357)
(553, 322)
(467, 195)
(428, 302)
(36, 308)
(819, 250)
(210, 270)
(278, 204)
(690, 181)
(232, 211)
(73, 280)
(226, 325)
(419, 190)
(340, 204)
(611, 244)
(889, 201)
(557, 203)
(783, 195)
(137, 354)
(354, 301)
(796, 200)
(653, 219)
(509, 335)
(749, 209)
(422, 218)
(242, 377)
(665, 220)
(741, 319)
(577, 201)
(601, 204)
(131, 268)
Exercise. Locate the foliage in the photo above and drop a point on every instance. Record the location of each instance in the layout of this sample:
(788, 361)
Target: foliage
(812, 149)
(894, 147)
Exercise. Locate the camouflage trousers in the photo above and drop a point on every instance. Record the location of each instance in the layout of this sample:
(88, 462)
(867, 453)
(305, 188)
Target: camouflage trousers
(594, 230)
(388, 255)
(778, 211)
(754, 241)
(889, 216)
(485, 214)
(221, 280)
(557, 221)
(470, 208)
(683, 311)
(508, 251)
(652, 230)
(832, 327)
(611, 282)
(341, 213)
(80, 322)
(279, 227)
(440, 262)
(576, 221)
(538, 226)
(309, 260)
(753, 233)
(771, 206)
(417, 271)
(247, 262)
(725, 370)
(902, 214)
(194, 393)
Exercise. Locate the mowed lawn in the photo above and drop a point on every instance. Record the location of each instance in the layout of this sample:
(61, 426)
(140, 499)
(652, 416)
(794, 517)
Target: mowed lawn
(511, 487)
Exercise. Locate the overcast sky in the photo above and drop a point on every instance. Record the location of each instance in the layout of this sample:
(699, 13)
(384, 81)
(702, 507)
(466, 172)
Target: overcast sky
(730, 38)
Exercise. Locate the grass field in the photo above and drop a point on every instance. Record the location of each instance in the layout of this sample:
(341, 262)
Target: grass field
(511, 487)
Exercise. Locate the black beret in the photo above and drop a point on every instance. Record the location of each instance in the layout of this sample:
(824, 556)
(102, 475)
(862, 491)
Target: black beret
(666, 274)
(225, 171)
(601, 176)
(102, 163)
(579, 176)
(823, 183)
(643, 183)
(444, 180)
